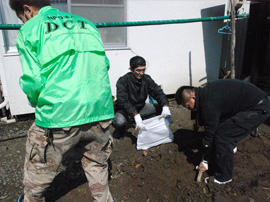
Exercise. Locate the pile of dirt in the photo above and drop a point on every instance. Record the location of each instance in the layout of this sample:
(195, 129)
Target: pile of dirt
(163, 173)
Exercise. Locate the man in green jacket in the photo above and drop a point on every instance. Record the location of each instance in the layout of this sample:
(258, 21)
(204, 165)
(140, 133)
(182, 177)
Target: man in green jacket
(65, 78)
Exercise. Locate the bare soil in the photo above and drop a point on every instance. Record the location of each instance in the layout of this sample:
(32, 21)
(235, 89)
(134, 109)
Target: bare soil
(165, 173)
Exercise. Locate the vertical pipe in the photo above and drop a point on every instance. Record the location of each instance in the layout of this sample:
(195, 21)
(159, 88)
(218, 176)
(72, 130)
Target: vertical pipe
(233, 39)
(190, 72)
(5, 38)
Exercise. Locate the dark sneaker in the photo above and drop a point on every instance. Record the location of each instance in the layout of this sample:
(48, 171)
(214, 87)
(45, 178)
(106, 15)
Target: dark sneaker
(118, 135)
(225, 182)
(20, 198)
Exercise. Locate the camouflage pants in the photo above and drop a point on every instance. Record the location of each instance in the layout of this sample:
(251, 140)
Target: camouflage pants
(44, 155)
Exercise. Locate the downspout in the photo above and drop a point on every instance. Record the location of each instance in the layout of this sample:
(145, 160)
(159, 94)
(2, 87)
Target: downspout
(3, 99)
(3, 104)
(233, 38)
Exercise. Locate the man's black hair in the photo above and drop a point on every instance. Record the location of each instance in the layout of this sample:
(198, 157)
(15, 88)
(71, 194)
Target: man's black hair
(17, 5)
(137, 61)
(179, 95)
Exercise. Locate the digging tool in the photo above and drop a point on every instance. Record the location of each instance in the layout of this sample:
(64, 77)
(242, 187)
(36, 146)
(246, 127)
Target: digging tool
(199, 176)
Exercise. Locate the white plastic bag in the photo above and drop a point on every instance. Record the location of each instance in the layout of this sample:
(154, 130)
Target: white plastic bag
(157, 132)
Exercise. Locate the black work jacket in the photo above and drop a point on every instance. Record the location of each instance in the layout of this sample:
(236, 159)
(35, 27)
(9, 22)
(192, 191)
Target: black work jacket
(219, 100)
(132, 93)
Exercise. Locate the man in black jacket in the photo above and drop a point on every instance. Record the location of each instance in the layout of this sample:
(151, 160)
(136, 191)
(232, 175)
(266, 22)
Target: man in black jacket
(229, 110)
(132, 91)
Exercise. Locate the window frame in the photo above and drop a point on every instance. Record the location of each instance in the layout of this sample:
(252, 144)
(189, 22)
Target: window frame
(12, 50)
(124, 6)
(8, 49)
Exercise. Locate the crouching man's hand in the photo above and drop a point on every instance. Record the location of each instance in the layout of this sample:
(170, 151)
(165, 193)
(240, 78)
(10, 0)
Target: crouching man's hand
(166, 114)
(139, 123)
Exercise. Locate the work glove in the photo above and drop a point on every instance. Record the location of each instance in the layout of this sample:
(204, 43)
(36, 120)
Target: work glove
(203, 165)
(202, 168)
(166, 113)
(139, 123)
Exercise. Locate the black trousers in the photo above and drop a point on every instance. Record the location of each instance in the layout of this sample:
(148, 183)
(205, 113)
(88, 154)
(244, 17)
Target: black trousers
(121, 117)
(231, 131)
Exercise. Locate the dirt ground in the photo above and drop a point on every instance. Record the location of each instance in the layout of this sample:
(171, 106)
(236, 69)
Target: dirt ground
(164, 173)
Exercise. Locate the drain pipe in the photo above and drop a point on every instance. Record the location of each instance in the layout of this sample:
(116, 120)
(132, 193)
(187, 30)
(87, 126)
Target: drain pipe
(6, 104)
(3, 104)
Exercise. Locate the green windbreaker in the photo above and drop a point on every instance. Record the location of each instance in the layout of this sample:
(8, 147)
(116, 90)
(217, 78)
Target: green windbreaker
(64, 70)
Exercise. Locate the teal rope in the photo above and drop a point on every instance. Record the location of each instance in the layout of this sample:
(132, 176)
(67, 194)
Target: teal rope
(10, 26)
(139, 23)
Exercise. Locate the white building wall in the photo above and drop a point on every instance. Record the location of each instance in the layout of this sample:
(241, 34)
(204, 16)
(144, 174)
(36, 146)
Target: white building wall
(10, 72)
(166, 48)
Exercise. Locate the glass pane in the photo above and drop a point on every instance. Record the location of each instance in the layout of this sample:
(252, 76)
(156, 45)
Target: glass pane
(87, 1)
(118, 2)
(10, 17)
(107, 2)
(99, 14)
(58, 1)
(61, 6)
(115, 35)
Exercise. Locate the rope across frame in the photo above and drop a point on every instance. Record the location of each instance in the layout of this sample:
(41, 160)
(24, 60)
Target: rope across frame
(139, 23)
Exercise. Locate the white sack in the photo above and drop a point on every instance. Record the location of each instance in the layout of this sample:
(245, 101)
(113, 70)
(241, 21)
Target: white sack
(157, 132)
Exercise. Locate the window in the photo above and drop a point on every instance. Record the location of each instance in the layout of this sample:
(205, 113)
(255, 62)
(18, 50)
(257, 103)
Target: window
(94, 10)
(103, 11)
(8, 16)
(60, 5)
